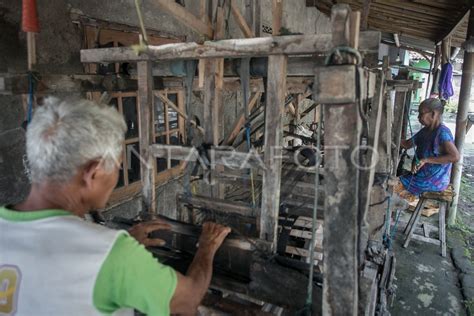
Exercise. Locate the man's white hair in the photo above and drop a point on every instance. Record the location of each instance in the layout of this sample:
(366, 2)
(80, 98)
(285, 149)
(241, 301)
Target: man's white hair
(65, 135)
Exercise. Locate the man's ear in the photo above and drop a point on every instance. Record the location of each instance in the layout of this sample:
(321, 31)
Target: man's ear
(90, 172)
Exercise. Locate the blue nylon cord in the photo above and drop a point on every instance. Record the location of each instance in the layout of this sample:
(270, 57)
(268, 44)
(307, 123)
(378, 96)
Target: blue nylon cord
(30, 97)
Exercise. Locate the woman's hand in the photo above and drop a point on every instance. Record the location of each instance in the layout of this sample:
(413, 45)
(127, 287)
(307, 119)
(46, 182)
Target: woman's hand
(418, 166)
(141, 232)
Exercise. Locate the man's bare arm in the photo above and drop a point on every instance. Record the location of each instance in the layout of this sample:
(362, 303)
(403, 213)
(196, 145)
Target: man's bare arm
(406, 144)
(192, 287)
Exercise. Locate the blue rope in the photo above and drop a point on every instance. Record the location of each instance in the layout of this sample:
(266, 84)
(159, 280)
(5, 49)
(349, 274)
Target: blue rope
(394, 230)
(247, 134)
(31, 92)
(249, 146)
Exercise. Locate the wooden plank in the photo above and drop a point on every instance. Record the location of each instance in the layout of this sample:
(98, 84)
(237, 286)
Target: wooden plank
(145, 123)
(277, 16)
(307, 222)
(219, 26)
(398, 115)
(303, 252)
(218, 101)
(241, 120)
(197, 201)
(231, 48)
(343, 129)
(201, 73)
(230, 159)
(442, 227)
(307, 235)
(326, 91)
(220, 305)
(184, 16)
(275, 103)
(425, 239)
(244, 27)
(232, 241)
(354, 29)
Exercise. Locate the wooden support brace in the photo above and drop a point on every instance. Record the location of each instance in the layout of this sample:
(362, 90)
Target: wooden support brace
(147, 170)
(244, 27)
(186, 17)
(230, 48)
(241, 120)
(275, 104)
(178, 110)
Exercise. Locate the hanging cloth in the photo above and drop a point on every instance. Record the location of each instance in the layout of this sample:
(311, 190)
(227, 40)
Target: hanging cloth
(445, 84)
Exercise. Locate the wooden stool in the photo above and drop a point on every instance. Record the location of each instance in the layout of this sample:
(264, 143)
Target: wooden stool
(444, 198)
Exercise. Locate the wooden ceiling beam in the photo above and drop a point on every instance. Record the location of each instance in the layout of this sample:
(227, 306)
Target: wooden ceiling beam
(462, 18)
(403, 30)
(394, 22)
(410, 6)
(444, 5)
(377, 9)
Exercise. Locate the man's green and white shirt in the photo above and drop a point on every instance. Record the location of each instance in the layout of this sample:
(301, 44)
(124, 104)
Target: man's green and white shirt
(55, 263)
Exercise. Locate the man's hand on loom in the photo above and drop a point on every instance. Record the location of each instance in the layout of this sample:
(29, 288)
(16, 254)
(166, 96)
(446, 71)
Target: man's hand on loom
(141, 232)
(212, 236)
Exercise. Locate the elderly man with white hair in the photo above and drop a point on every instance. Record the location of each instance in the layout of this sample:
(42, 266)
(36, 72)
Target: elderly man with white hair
(52, 262)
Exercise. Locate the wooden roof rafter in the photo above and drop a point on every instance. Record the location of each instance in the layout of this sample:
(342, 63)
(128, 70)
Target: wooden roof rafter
(432, 20)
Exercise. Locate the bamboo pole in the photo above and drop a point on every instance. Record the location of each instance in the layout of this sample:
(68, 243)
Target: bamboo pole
(461, 118)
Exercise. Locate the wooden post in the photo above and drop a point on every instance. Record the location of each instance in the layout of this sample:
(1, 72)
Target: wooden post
(211, 109)
(384, 148)
(427, 93)
(365, 15)
(368, 191)
(275, 106)
(145, 98)
(257, 27)
(277, 14)
(461, 117)
(445, 51)
(437, 62)
(398, 115)
(343, 128)
(203, 11)
(370, 160)
(31, 48)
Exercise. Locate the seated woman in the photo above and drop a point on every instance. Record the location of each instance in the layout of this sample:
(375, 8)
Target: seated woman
(434, 154)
